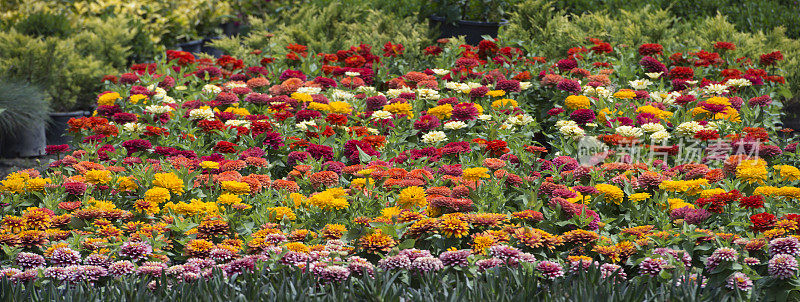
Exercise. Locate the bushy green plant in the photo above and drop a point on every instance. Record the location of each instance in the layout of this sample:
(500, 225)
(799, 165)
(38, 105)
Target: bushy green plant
(45, 24)
(545, 31)
(331, 27)
(747, 16)
(21, 105)
(70, 77)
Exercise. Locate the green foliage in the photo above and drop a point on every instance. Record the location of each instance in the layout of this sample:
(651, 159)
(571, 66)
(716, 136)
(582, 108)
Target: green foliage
(65, 68)
(45, 24)
(747, 16)
(328, 28)
(545, 31)
(21, 105)
(452, 284)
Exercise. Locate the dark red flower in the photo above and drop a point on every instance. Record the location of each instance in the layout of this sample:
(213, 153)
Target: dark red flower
(225, 147)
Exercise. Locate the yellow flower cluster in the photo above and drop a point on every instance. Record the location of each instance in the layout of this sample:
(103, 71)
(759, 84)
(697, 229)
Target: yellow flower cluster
(340, 107)
(573, 102)
(236, 187)
(400, 108)
(98, 176)
(442, 111)
(787, 173)
(690, 187)
(302, 97)
(169, 181)
(281, 213)
(660, 114)
(612, 193)
(22, 182)
(638, 197)
(410, 197)
(108, 99)
(504, 103)
(330, 199)
(228, 199)
(474, 174)
(752, 171)
(194, 207)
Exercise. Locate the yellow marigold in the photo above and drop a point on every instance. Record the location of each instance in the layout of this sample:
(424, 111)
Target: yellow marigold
(573, 102)
(195, 207)
(752, 171)
(13, 184)
(236, 187)
(318, 106)
(765, 191)
(126, 183)
(169, 181)
(400, 108)
(719, 101)
(199, 247)
(504, 103)
(442, 111)
(297, 199)
(340, 107)
(390, 212)
(730, 114)
(136, 98)
(37, 184)
(228, 199)
(98, 176)
(157, 195)
(474, 174)
(481, 242)
(625, 94)
(282, 213)
(452, 226)
(789, 192)
(377, 242)
(209, 165)
(302, 97)
(108, 99)
(333, 231)
(238, 111)
(611, 193)
(297, 247)
(787, 173)
(330, 199)
(638, 197)
(411, 197)
(361, 182)
(661, 114)
(602, 114)
(677, 203)
(711, 192)
(496, 93)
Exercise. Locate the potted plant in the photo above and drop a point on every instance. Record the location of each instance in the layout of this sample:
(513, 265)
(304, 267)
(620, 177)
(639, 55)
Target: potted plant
(471, 18)
(24, 112)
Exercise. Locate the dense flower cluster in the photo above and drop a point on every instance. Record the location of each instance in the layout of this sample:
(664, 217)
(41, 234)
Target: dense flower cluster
(357, 167)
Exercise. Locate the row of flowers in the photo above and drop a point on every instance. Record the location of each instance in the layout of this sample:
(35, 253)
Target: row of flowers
(490, 157)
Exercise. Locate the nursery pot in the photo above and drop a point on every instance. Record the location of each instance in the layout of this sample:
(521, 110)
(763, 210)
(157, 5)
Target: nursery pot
(206, 48)
(192, 46)
(56, 131)
(29, 141)
(473, 30)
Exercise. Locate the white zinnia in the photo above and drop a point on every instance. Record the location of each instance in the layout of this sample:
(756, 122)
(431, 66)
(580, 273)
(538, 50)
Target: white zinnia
(660, 136)
(689, 128)
(434, 137)
(440, 72)
(309, 90)
(202, 113)
(629, 131)
(211, 89)
(158, 109)
(653, 127)
(455, 125)
(640, 84)
(381, 115)
(716, 89)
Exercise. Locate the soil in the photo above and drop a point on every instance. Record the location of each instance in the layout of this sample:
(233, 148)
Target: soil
(10, 165)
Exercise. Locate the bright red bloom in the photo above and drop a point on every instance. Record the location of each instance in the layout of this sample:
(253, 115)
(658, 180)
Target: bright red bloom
(393, 50)
(225, 147)
(650, 49)
(771, 58)
(752, 202)
(725, 46)
(433, 50)
(762, 222)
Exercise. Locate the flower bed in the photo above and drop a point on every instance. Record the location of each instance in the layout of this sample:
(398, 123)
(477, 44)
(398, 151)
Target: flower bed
(638, 163)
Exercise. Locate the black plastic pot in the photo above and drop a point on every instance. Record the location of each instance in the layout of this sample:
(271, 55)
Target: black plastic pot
(473, 30)
(211, 50)
(56, 131)
(29, 142)
(192, 46)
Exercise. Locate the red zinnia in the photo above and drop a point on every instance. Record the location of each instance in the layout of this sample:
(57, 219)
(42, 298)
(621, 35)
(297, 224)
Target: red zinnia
(752, 202)
(225, 147)
(762, 222)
